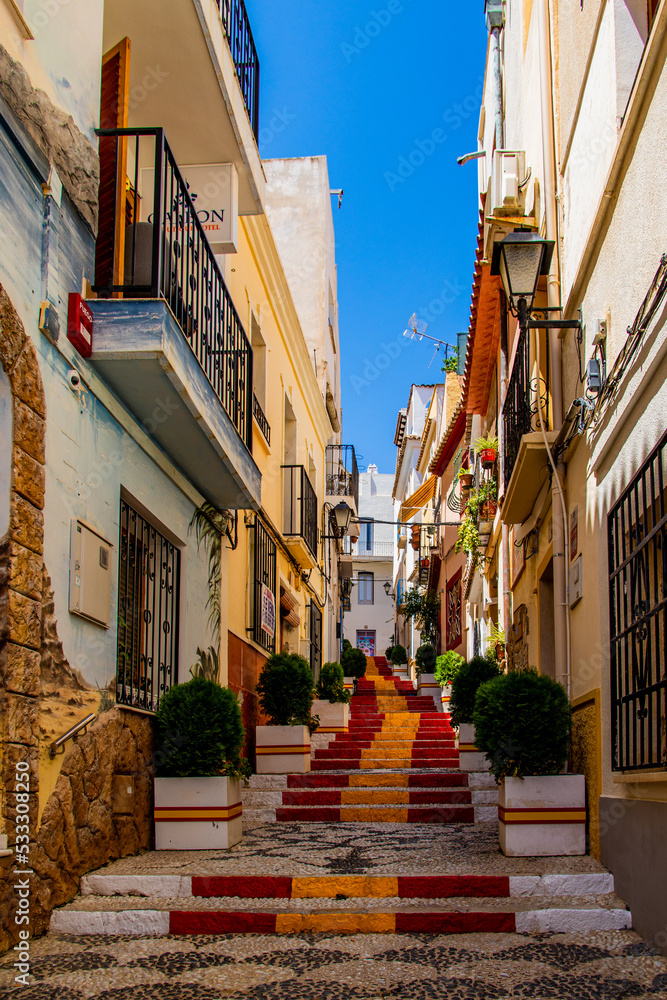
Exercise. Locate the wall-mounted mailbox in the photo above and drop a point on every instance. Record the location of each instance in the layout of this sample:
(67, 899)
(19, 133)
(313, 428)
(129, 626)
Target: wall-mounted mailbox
(89, 574)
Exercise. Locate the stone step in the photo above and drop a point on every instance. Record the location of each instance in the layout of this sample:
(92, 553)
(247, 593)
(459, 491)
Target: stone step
(185, 915)
(376, 796)
(346, 763)
(376, 814)
(367, 780)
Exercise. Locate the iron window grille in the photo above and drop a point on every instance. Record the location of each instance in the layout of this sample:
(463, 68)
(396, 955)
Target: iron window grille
(264, 576)
(148, 609)
(161, 249)
(315, 636)
(637, 546)
(453, 611)
(299, 506)
(527, 390)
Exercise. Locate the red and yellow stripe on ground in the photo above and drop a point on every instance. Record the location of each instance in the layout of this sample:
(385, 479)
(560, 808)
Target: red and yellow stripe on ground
(244, 922)
(350, 886)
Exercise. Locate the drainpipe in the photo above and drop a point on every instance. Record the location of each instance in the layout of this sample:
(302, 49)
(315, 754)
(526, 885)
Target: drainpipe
(495, 22)
(558, 509)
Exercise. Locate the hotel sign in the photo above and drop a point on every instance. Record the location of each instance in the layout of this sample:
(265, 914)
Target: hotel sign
(214, 189)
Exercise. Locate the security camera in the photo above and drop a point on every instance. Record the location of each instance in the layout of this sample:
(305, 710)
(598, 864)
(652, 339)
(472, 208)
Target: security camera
(74, 379)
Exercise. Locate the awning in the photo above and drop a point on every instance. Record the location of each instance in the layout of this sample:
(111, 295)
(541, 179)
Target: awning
(419, 499)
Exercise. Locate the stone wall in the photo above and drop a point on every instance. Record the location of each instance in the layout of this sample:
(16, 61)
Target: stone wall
(56, 134)
(82, 827)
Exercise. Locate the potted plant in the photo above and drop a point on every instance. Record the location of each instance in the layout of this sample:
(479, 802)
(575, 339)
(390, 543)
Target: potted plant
(496, 641)
(446, 668)
(523, 722)
(331, 705)
(465, 477)
(388, 651)
(465, 683)
(487, 449)
(399, 659)
(353, 662)
(285, 690)
(425, 658)
(199, 736)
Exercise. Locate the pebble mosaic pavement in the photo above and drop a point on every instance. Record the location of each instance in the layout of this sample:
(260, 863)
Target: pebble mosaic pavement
(606, 966)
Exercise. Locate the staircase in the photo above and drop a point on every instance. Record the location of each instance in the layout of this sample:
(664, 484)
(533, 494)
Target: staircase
(397, 764)
(305, 866)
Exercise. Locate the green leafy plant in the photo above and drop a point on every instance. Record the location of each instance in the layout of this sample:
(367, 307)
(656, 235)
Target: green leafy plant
(388, 651)
(468, 536)
(468, 678)
(424, 607)
(425, 659)
(207, 664)
(399, 655)
(353, 662)
(496, 636)
(285, 690)
(210, 525)
(451, 361)
(485, 444)
(523, 722)
(331, 686)
(199, 732)
(447, 666)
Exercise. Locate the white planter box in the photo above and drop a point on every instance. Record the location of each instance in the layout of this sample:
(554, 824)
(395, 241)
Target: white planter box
(334, 716)
(542, 817)
(427, 685)
(446, 697)
(470, 758)
(282, 749)
(197, 814)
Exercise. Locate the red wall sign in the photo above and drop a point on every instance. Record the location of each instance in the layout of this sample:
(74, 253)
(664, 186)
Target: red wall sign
(80, 325)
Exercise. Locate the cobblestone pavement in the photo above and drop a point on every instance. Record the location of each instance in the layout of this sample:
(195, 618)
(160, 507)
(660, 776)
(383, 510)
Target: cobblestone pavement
(354, 849)
(604, 966)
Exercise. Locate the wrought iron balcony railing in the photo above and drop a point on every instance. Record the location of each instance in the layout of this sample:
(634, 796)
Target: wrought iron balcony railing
(362, 549)
(299, 506)
(242, 46)
(151, 245)
(527, 390)
(262, 422)
(342, 478)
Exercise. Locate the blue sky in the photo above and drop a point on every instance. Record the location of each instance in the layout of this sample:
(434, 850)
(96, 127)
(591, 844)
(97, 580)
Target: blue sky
(390, 93)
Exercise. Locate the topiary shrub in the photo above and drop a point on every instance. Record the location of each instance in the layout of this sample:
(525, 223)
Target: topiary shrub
(425, 659)
(464, 687)
(353, 662)
(388, 651)
(522, 723)
(399, 656)
(199, 732)
(447, 666)
(330, 686)
(285, 690)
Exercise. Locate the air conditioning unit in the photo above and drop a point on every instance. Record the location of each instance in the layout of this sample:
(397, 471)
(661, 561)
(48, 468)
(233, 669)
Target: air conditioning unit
(509, 173)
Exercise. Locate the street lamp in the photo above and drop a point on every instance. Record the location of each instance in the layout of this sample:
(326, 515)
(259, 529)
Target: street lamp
(342, 514)
(520, 259)
(387, 588)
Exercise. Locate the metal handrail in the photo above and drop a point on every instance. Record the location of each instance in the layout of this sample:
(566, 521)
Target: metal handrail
(71, 734)
(236, 23)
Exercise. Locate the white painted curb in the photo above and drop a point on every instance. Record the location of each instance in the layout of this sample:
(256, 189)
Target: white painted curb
(136, 885)
(152, 923)
(590, 884)
(569, 921)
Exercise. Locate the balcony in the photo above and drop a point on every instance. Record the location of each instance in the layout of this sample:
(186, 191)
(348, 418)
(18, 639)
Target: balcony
(167, 337)
(342, 474)
(300, 514)
(194, 68)
(377, 550)
(525, 454)
(260, 419)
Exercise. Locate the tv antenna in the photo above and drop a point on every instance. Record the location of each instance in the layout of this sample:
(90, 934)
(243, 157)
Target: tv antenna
(417, 331)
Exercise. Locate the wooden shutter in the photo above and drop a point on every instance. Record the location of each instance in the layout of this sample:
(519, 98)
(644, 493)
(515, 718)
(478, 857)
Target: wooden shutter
(114, 113)
(652, 8)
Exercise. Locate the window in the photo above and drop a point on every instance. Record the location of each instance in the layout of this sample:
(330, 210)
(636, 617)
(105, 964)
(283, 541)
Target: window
(258, 361)
(366, 539)
(148, 605)
(453, 610)
(365, 588)
(263, 591)
(637, 540)
(315, 635)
